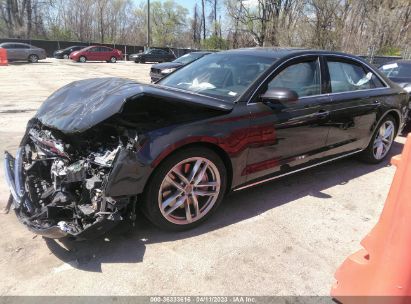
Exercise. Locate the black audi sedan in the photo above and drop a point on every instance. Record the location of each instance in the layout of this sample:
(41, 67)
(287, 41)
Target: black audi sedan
(160, 70)
(97, 149)
(152, 55)
(65, 53)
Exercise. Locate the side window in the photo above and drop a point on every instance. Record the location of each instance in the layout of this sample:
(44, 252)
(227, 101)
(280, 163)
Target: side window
(95, 49)
(303, 78)
(377, 82)
(346, 77)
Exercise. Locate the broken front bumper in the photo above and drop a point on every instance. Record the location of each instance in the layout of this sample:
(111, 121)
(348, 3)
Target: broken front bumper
(13, 168)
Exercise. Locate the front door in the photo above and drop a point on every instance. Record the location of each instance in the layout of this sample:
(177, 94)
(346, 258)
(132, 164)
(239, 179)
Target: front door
(94, 54)
(287, 135)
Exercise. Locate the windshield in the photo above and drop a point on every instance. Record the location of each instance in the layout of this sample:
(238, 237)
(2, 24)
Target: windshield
(187, 58)
(224, 76)
(396, 70)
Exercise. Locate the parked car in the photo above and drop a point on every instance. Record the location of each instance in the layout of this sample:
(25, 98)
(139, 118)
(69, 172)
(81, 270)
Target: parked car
(65, 53)
(97, 149)
(399, 72)
(23, 52)
(160, 70)
(97, 53)
(152, 55)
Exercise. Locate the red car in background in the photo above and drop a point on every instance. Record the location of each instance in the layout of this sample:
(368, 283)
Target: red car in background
(97, 53)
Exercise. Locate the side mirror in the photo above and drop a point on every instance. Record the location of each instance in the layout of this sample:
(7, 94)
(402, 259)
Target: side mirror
(279, 95)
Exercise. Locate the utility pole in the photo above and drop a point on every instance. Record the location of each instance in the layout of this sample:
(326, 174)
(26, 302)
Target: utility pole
(148, 24)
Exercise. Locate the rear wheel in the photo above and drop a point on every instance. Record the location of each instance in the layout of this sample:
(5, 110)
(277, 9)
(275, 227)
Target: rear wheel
(82, 59)
(381, 142)
(65, 56)
(33, 58)
(185, 189)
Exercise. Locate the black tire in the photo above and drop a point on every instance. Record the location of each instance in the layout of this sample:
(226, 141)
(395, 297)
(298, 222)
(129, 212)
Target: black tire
(33, 58)
(113, 59)
(82, 59)
(151, 204)
(368, 155)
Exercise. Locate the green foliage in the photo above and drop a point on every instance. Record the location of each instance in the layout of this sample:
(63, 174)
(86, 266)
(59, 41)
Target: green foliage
(389, 51)
(215, 43)
(168, 22)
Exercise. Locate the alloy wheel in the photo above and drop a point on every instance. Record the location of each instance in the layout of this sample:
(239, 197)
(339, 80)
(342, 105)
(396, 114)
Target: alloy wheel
(384, 139)
(113, 59)
(33, 58)
(189, 190)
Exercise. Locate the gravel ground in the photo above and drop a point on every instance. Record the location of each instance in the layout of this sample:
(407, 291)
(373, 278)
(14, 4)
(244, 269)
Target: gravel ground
(285, 237)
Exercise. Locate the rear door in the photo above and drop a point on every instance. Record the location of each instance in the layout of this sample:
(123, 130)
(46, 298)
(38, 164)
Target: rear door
(105, 53)
(356, 94)
(287, 135)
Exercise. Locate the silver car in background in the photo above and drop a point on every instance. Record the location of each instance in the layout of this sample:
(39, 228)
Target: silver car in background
(23, 52)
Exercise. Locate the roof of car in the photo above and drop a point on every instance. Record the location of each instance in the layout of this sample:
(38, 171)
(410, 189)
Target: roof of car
(11, 42)
(278, 52)
(200, 52)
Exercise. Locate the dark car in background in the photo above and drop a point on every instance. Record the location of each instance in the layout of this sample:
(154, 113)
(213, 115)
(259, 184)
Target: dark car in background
(160, 70)
(152, 55)
(97, 53)
(65, 53)
(23, 52)
(97, 149)
(399, 72)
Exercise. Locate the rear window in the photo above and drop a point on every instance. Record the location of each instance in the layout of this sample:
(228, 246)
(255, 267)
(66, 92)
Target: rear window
(351, 76)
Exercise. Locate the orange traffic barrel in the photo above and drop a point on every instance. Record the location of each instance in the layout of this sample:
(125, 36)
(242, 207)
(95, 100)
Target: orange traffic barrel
(3, 56)
(381, 271)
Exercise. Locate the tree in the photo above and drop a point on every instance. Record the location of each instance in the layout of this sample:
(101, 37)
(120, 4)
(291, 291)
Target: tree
(196, 26)
(168, 22)
(203, 18)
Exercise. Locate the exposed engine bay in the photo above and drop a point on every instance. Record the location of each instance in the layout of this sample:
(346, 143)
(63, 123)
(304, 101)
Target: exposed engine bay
(61, 180)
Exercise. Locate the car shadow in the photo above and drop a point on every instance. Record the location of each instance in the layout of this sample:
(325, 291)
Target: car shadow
(25, 62)
(127, 244)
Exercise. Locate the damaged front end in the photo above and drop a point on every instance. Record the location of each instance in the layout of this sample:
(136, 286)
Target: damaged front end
(58, 183)
(81, 166)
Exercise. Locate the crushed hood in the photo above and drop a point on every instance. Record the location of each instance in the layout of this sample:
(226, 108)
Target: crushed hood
(83, 104)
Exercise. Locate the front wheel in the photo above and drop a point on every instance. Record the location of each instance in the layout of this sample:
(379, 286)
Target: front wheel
(381, 142)
(185, 189)
(113, 59)
(65, 56)
(82, 59)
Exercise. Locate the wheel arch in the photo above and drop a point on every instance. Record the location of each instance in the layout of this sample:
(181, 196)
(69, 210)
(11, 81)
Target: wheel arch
(209, 145)
(32, 54)
(394, 113)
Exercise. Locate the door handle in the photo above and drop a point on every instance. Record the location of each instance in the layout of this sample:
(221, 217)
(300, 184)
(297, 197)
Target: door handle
(377, 103)
(322, 114)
